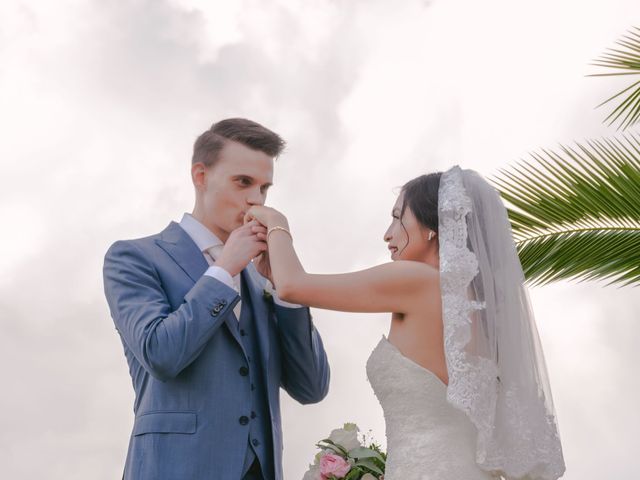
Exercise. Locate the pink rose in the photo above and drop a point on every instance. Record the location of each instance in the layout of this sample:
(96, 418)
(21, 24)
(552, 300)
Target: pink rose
(332, 464)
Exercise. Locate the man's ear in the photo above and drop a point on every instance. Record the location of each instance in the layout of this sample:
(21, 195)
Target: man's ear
(199, 175)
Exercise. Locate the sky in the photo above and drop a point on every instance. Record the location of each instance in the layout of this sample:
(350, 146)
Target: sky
(100, 102)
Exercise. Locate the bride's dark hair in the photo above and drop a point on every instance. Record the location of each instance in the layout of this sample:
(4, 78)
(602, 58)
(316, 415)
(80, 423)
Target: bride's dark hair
(421, 195)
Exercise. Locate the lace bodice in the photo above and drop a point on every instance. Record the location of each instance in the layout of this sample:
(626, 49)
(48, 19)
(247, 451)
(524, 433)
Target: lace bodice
(427, 438)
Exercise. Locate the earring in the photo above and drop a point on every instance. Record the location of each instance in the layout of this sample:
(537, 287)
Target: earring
(430, 236)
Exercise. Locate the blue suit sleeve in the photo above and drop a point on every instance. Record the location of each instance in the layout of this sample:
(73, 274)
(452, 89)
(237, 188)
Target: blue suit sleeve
(305, 368)
(162, 340)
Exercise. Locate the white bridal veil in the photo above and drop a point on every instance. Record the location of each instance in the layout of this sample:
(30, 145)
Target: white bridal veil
(497, 373)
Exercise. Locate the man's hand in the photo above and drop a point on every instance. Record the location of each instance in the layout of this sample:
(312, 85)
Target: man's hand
(243, 244)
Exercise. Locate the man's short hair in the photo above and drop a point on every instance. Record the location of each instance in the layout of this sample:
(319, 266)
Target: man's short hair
(207, 146)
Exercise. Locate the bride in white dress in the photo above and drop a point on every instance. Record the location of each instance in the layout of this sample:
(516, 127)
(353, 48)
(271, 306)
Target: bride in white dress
(461, 377)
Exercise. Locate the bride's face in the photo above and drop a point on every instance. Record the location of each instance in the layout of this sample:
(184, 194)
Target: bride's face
(407, 238)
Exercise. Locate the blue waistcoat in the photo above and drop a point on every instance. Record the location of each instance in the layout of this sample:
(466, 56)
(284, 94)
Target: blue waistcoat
(259, 442)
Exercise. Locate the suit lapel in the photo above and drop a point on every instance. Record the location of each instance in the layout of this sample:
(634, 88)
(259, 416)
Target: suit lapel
(260, 312)
(178, 244)
(232, 324)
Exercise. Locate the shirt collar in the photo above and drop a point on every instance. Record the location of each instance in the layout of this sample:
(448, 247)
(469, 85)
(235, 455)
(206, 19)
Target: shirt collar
(201, 235)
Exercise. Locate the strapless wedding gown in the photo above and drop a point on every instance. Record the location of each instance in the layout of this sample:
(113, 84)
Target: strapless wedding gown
(427, 438)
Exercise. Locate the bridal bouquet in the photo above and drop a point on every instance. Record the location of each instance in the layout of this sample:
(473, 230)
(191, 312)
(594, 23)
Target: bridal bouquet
(343, 456)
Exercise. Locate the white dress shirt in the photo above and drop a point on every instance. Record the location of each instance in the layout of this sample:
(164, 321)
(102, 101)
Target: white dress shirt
(205, 239)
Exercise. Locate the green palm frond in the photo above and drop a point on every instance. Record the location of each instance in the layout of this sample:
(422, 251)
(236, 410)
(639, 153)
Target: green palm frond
(626, 61)
(576, 214)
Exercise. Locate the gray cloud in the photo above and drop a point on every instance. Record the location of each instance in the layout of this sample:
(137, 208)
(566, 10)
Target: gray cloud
(125, 92)
(103, 101)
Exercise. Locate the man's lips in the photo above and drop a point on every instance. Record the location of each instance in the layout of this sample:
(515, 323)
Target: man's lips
(393, 249)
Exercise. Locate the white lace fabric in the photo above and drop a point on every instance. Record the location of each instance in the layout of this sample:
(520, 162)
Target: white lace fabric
(497, 375)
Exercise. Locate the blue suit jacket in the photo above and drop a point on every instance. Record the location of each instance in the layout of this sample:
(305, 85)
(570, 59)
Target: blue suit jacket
(181, 342)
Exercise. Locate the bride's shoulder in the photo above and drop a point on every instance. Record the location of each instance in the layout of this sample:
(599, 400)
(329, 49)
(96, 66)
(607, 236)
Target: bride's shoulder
(414, 266)
(414, 269)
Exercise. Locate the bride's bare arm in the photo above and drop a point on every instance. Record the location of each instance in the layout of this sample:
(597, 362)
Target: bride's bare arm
(390, 287)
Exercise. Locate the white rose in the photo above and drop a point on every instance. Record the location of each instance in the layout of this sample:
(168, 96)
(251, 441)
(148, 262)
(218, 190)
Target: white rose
(313, 473)
(346, 437)
(368, 476)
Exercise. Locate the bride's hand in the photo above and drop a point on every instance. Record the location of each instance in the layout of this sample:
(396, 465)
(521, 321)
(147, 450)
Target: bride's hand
(267, 216)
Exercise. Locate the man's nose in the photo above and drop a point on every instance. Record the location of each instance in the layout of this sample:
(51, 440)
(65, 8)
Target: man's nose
(256, 197)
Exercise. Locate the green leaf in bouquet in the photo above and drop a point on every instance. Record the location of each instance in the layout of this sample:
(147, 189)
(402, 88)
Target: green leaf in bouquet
(377, 448)
(333, 448)
(363, 452)
(369, 464)
(354, 474)
(339, 449)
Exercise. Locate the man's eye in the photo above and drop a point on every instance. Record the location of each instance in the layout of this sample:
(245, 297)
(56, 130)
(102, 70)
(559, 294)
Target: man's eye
(245, 181)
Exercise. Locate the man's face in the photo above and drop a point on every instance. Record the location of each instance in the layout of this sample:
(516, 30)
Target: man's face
(226, 190)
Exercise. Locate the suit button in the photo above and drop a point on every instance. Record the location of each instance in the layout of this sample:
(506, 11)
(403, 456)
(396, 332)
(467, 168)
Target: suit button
(255, 442)
(244, 371)
(214, 312)
(243, 420)
(223, 302)
(253, 414)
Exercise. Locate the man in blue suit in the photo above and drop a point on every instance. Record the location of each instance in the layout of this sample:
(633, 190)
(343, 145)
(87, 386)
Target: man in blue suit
(207, 340)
